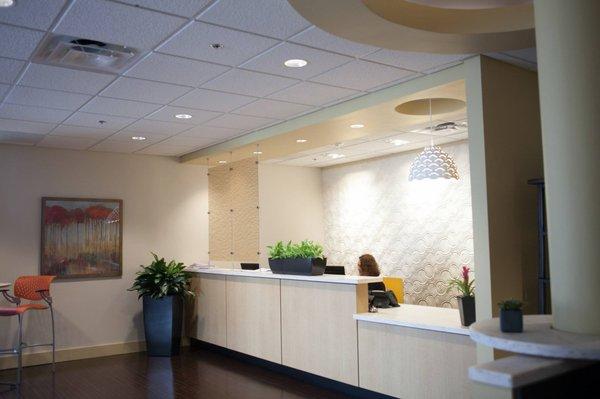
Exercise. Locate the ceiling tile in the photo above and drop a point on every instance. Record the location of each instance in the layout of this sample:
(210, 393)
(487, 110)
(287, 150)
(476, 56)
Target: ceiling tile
(71, 143)
(273, 109)
(3, 90)
(111, 122)
(167, 114)
(20, 138)
(414, 61)
(183, 8)
(212, 100)
(188, 141)
(318, 38)
(42, 98)
(18, 42)
(34, 114)
(66, 79)
(211, 132)
(165, 150)
(117, 107)
(318, 61)
(157, 127)
(176, 70)
(117, 23)
(312, 93)
(273, 18)
(144, 90)
(32, 14)
(126, 135)
(258, 84)
(243, 122)
(362, 75)
(194, 42)
(119, 146)
(80, 131)
(9, 69)
(12, 125)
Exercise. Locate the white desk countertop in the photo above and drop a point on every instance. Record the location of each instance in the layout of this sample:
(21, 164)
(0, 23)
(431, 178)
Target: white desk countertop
(262, 273)
(420, 317)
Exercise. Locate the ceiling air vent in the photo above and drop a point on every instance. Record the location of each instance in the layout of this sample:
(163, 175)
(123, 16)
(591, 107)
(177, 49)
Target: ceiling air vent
(85, 53)
(446, 126)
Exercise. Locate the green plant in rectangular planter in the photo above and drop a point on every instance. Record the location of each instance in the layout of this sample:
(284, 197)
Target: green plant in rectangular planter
(304, 258)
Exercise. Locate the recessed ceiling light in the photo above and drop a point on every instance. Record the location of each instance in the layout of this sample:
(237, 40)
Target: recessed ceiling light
(7, 3)
(216, 46)
(183, 116)
(257, 152)
(222, 161)
(295, 63)
(357, 126)
(301, 141)
(334, 155)
(138, 138)
(398, 142)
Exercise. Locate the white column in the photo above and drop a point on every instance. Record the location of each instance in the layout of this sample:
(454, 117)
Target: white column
(568, 49)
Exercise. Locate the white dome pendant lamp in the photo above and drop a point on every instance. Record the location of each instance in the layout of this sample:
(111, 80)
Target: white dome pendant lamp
(433, 162)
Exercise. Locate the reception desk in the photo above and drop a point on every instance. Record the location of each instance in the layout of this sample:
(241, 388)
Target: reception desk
(321, 325)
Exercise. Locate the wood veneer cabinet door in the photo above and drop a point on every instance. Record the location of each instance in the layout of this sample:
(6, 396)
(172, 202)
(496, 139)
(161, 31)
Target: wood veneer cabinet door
(253, 317)
(410, 363)
(209, 314)
(318, 332)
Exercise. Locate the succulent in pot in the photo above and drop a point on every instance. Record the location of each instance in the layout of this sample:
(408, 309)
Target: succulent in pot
(466, 299)
(511, 315)
(304, 258)
(163, 286)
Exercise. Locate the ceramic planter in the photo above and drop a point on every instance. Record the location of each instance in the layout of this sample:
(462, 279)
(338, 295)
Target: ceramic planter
(299, 266)
(466, 308)
(511, 321)
(163, 319)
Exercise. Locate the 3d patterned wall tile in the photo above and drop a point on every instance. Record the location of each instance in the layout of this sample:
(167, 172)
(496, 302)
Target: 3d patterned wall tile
(421, 231)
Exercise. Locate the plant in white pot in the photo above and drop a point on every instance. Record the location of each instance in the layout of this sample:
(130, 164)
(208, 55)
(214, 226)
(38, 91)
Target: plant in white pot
(466, 299)
(163, 287)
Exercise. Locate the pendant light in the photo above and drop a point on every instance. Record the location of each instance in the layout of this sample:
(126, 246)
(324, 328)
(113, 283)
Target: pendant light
(432, 162)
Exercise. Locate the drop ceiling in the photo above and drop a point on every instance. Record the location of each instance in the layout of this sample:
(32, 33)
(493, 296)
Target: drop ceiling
(230, 91)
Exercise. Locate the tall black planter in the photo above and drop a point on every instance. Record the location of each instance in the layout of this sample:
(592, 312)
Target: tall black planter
(162, 325)
(466, 308)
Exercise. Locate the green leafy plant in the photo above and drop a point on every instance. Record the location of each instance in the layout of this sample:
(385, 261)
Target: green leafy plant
(510, 304)
(464, 285)
(161, 279)
(305, 249)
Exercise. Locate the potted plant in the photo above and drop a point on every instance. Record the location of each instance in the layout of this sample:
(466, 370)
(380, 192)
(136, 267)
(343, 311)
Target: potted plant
(305, 258)
(511, 316)
(466, 301)
(162, 286)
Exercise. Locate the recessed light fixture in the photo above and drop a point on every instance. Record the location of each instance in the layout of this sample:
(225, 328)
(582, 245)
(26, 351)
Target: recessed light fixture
(138, 138)
(335, 155)
(183, 116)
(257, 152)
(7, 3)
(295, 63)
(357, 126)
(222, 161)
(216, 46)
(301, 141)
(398, 142)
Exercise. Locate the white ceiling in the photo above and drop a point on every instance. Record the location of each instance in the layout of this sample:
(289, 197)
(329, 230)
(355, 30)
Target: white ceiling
(229, 91)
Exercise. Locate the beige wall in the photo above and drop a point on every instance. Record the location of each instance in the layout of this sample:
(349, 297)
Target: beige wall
(164, 210)
(291, 205)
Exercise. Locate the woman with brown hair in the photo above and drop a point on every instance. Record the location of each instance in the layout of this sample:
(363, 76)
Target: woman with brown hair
(367, 266)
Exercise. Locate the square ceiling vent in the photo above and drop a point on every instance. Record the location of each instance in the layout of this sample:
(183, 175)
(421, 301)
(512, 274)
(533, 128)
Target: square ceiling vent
(75, 52)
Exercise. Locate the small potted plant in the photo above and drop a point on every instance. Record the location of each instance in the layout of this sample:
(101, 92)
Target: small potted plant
(511, 316)
(162, 286)
(305, 258)
(466, 301)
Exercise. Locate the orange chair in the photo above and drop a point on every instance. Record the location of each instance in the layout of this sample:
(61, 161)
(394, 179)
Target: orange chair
(31, 288)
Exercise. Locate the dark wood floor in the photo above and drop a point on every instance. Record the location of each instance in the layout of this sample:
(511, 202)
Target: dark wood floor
(196, 373)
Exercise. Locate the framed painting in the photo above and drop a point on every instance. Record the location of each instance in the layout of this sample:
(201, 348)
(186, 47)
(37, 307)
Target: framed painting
(82, 237)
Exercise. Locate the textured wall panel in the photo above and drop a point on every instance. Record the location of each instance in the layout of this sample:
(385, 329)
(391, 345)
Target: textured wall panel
(233, 202)
(420, 230)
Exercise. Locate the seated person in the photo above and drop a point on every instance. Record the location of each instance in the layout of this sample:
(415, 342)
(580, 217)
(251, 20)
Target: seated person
(367, 266)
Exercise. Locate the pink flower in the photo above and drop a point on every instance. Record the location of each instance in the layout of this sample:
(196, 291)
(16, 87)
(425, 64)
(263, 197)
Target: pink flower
(465, 273)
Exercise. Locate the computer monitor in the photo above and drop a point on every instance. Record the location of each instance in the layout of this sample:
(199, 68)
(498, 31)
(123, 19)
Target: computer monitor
(335, 270)
(250, 266)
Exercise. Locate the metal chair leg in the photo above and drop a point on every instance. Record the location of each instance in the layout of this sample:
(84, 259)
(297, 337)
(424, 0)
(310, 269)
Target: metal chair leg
(20, 351)
(53, 340)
